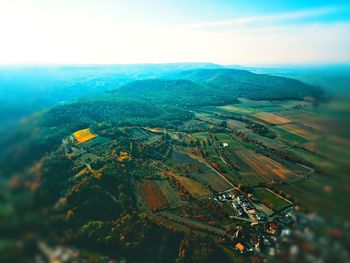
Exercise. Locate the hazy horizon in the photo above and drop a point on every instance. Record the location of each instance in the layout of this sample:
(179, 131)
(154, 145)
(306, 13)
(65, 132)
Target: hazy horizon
(139, 32)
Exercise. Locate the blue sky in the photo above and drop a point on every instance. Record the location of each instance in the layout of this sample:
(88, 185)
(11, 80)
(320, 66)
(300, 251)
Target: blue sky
(221, 31)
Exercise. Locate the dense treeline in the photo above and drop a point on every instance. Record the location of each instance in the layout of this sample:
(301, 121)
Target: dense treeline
(174, 92)
(242, 83)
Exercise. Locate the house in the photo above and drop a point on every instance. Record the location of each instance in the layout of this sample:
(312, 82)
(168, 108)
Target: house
(224, 144)
(273, 227)
(240, 247)
(124, 156)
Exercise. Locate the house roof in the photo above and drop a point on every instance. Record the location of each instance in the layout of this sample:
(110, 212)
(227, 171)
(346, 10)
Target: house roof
(240, 246)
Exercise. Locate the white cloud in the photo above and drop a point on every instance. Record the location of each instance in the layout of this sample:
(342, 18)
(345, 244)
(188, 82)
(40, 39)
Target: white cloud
(263, 19)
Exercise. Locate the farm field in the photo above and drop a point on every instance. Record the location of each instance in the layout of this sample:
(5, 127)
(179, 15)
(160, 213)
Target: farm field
(83, 135)
(270, 199)
(270, 118)
(332, 149)
(235, 125)
(260, 105)
(287, 136)
(252, 178)
(296, 104)
(315, 195)
(307, 118)
(315, 159)
(273, 143)
(152, 195)
(211, 178)
(306, 132)
(236, 109)
(266, 167)
(201, 135)
(171, 195)
(195, 188)
(206, 117)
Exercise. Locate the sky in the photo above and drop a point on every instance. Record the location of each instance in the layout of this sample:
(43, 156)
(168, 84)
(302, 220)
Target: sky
(253, 32)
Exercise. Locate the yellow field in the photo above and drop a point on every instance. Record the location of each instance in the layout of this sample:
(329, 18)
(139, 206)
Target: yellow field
(271, 118)
(83, 135)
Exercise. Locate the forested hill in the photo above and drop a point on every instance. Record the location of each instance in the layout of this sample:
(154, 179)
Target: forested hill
(242, 83)
(144, 99)
(174, 92)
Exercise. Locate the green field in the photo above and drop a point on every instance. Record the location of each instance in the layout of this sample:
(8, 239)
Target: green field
(266, 196)
(288, 136)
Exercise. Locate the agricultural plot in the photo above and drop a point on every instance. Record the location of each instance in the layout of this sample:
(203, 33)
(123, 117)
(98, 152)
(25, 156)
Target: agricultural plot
(152, 195)
(337, 151)
(193, 187)
(315, 159)
(295, 104)
(266, 167)
(171, 195)
(135, 132)
(235, 125)
(219, 162)
(260, 105)
(287, 136)
(144, 134)
(270, 118)
(305, 132)
(316, 196)
(308, 119)
(182, 158)
(205, 117)
(232, 157)
(83, 135)
(202, 173)
(211, 178)
(251, 178)
(270, 199)
(235, 109)
(98, 140)
(272, 143)
(201, 135)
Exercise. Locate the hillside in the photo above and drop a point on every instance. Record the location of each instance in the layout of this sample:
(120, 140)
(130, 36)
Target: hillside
(153, 102)
(27, 89)
(174, 92)
(242, 83)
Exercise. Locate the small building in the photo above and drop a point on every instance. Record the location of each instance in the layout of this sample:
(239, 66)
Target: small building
(240, 247)
(124, 156)
(224, 144)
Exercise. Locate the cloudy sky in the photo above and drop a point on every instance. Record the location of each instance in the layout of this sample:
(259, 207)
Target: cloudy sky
(158, 31)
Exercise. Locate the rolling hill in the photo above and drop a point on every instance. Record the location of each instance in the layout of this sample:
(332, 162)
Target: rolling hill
(242, 83)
